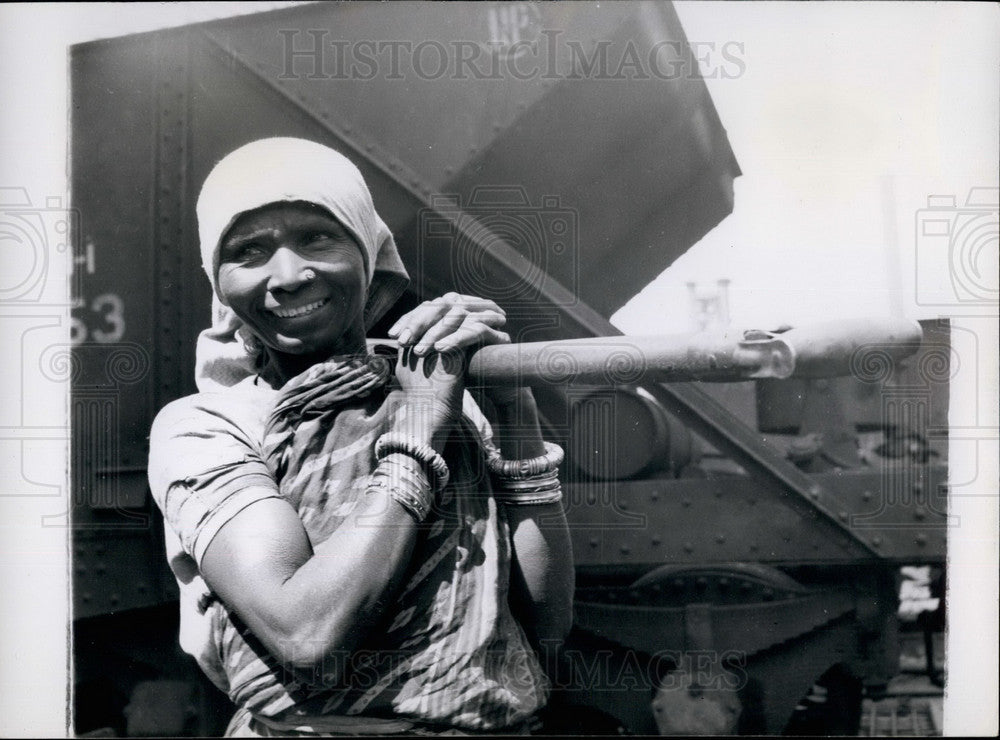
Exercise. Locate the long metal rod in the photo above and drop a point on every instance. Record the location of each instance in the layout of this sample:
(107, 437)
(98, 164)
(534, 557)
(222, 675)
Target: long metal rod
(819, 350)
(862, 348)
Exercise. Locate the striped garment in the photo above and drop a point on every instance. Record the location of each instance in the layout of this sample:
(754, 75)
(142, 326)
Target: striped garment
(448, 652)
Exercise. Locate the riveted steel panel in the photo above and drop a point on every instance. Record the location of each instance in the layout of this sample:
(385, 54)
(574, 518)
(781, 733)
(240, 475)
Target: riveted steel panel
(116, 573)
(697, 521)
(127, 357)
(898, 516)
(113, 322)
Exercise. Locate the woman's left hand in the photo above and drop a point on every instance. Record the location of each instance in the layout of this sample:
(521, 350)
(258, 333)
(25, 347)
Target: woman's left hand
(451, 322)
(456, 321)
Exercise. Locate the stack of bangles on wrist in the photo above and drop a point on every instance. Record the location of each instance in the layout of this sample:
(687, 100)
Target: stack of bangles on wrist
(411, 472)
(531, 481)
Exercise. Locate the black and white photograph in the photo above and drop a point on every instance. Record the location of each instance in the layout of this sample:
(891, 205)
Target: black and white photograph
(499, 368)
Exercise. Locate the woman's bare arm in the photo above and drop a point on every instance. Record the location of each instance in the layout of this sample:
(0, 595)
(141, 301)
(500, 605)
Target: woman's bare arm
(306, 605)
(543, 576)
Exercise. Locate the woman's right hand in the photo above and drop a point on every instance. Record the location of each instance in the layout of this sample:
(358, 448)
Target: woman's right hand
(432, 387)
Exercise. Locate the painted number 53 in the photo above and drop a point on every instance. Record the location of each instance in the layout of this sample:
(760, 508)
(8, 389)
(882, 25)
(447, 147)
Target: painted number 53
(108, 310)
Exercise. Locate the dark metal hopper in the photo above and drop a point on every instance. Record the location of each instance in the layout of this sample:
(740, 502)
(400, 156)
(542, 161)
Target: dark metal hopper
(577, 135)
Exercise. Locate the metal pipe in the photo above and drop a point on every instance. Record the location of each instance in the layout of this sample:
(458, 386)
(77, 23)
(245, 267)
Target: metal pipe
(828, 349)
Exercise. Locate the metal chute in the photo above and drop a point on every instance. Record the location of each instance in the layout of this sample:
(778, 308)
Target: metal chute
(577, 136)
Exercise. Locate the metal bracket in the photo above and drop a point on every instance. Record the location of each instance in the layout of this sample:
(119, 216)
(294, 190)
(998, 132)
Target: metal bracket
(774, 357)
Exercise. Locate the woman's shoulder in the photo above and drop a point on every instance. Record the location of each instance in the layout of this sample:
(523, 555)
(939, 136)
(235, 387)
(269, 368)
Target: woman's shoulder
(243, 406)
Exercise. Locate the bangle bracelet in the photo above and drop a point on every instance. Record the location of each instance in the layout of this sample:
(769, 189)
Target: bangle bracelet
(530, 499)
(545, 481)
(532, 486)
(405, 484)
(432, 462)
(529, 467)
(548, 475)
(402, 469)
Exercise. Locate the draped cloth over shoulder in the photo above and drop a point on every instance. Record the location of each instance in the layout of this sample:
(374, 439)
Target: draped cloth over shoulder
(285, 170)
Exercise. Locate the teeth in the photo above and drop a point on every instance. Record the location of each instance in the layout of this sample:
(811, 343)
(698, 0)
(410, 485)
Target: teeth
(290, 313)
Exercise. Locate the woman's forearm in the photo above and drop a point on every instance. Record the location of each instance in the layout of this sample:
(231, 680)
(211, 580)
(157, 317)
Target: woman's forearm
(543, 574)
(516, 429)
(344, 588)
(307, 606)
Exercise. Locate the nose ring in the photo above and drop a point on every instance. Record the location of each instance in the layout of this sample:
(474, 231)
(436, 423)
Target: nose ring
(308, 275)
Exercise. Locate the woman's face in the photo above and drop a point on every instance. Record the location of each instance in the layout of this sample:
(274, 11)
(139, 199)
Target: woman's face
(296, 278)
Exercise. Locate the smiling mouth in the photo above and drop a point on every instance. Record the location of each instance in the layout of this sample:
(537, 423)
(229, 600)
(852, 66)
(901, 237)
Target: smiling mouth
(291, 313)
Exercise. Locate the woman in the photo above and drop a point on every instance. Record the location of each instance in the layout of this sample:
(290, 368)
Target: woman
(355, 554)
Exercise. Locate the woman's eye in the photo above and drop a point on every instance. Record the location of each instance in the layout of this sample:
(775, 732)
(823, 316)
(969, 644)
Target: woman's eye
(244, 253)
(321, 237)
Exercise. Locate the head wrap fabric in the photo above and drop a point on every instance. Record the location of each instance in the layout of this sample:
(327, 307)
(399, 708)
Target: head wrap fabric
(284, 170)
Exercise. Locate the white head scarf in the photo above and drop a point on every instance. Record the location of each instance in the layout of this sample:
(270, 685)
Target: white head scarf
(272, 171)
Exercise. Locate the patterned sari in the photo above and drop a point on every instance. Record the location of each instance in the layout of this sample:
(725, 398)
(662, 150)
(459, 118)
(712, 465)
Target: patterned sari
(448, 652)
